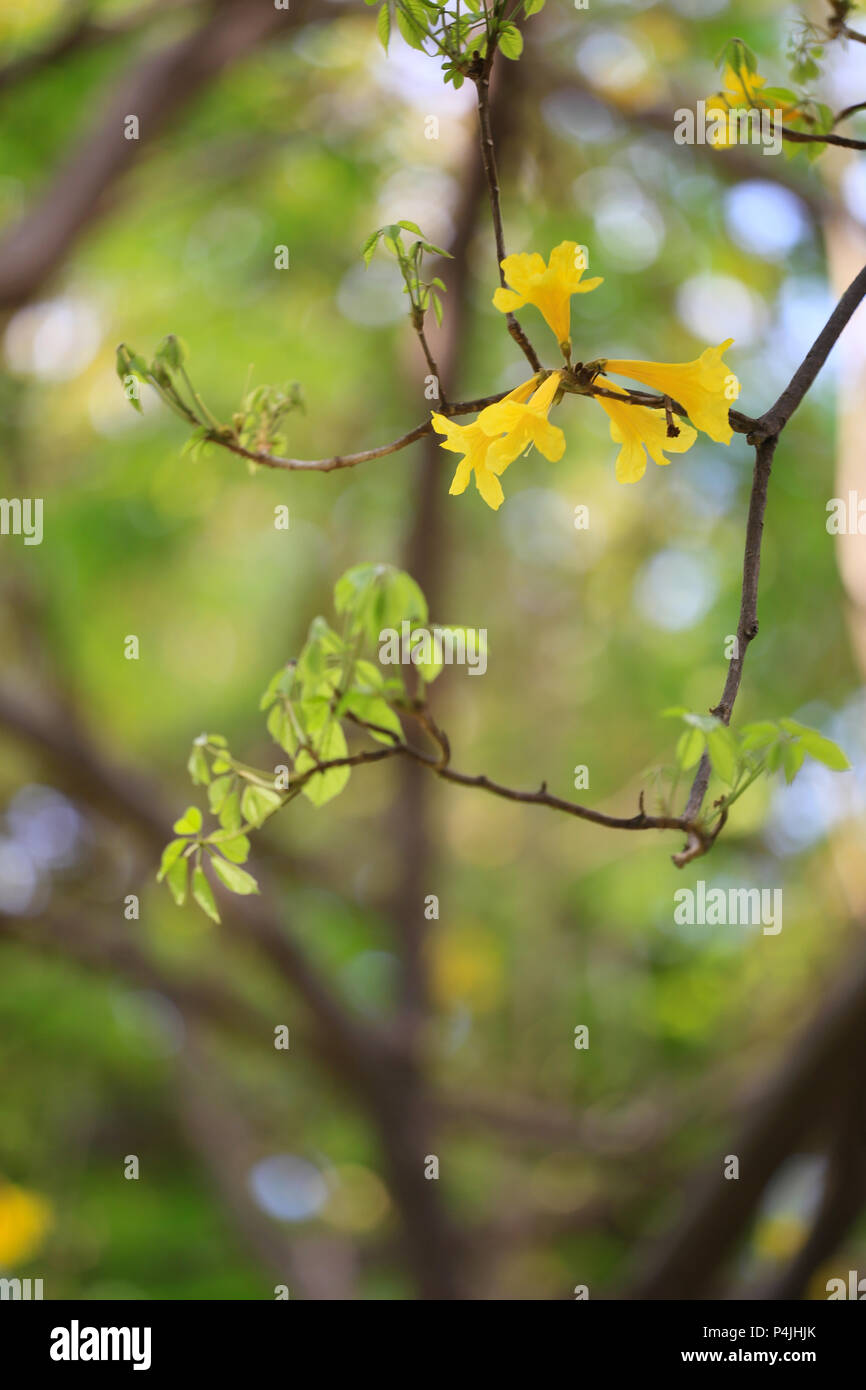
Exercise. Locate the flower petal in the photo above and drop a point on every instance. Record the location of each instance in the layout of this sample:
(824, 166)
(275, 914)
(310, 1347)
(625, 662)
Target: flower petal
(507, 301)
(490, 488)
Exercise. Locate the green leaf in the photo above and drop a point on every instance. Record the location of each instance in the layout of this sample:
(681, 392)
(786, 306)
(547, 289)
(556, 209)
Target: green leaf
(237, 849)
(690, 746)
(383, 29)
(280, 684)
(368, 677)
(822, 749)
(235, 879)
(724, 753)
(323, 787)
(257, 803)
(176, 878)
(413, 35)
(189, 823)
(172, 352)
(372, 709)
(203, 894)
(780, 95)
(705, 722)
(172, 852)
(369, 247)
(230, 817)
(197, 766)
(282, 729)
(217, 793)
(759, 735)
(531, 7)
(121, 362)
(793, 755)
(510, 41)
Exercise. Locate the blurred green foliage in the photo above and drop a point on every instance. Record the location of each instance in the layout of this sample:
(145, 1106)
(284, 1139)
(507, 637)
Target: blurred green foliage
(545, 923)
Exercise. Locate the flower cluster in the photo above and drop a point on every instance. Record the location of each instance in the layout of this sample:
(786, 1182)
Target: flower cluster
(744, 89)
(700, 391)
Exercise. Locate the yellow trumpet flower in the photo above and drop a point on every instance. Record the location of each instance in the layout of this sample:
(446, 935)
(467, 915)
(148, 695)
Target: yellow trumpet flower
(521, 424)
(501, 432)
(548, 286)
(638, 428)
(474, 443)
(704, 388)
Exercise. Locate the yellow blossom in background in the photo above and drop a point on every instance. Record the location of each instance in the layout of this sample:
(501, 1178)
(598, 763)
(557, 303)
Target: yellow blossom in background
(742, 87)
(705, 388)
(780, 1237)
(641, 430)
(521, 424)
(24, 1221)
(742, 92)
(467, 968)
(548, 286)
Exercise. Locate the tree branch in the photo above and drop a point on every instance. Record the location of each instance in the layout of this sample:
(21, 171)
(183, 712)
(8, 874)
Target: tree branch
(481, 78)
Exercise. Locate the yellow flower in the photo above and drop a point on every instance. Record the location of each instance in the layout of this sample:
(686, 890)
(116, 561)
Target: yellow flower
(704, 388)
(24, 1219)
(742, 87)
(742, 91)
(474, 442)
(501, 432)
(520, 425)
(548, 287)
(638, 428)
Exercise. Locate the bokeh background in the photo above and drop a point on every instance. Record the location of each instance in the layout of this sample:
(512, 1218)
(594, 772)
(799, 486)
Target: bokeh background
(154, 1037)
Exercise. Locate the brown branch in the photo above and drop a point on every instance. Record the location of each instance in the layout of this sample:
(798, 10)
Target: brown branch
(765, 435)
(488, 158)
(851, 33)
(803, 137)
(775, 419)
(747, 625)
(849, 111)
(330, 465)
(541, 797)
(224, 439)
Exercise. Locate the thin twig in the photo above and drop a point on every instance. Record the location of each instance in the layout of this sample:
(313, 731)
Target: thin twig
(765, 436)
(488, 157)
(541, 797)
